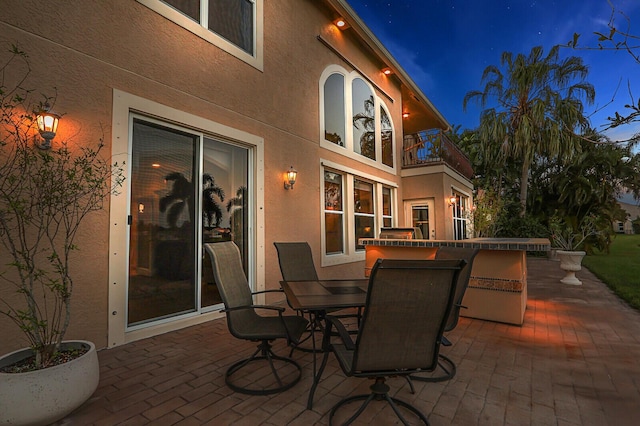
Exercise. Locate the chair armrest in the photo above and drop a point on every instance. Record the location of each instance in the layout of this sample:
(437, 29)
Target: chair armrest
(237, 308)
(342, 332)
(279, 290)
(280, 309)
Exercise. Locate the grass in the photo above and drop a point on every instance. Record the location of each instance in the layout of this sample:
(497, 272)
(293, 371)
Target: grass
(620, 269)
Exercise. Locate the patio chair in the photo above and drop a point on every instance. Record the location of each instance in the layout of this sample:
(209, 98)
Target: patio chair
(408, 302)
(447, 368)
(296, 264)
(244, 322)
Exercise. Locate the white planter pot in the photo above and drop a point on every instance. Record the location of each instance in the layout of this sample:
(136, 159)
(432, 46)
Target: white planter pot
(41, 397)
(571, 262)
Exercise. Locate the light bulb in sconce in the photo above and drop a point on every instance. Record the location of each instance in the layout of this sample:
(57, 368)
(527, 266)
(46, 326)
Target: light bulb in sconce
(47, 122)
(290, 178)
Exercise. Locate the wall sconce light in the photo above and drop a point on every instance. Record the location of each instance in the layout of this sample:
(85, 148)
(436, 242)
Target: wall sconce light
(387, 71)
(47, 121)
(341, 23)
(452, 200)
(290, 178)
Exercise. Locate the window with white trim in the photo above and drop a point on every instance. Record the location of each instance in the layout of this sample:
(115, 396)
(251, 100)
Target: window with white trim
(354, 207)
(354, 121)
(363, 210)
(232, 25)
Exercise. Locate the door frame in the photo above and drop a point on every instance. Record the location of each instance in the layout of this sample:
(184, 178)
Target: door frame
(125, 105)
(408, 214)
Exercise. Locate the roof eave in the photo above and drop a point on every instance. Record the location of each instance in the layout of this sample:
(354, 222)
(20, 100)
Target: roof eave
(363, 31)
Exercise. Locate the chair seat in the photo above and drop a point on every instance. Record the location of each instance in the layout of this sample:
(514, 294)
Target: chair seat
(258, 327)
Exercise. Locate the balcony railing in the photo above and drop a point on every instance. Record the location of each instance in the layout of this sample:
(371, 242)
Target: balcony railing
(431, 147)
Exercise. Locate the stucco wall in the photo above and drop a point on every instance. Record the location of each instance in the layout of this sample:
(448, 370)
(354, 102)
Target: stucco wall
(86, 49)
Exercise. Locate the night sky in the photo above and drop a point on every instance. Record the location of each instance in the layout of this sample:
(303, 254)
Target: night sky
(444, 45)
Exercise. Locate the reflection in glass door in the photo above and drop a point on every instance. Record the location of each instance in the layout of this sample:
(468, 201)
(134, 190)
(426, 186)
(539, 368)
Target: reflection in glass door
(224, 207)
(186, 190)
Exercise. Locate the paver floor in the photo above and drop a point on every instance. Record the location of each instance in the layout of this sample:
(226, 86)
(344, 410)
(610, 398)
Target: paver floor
(574, 361)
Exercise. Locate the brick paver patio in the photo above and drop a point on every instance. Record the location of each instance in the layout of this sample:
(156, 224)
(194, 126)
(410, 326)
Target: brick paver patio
(575, 361)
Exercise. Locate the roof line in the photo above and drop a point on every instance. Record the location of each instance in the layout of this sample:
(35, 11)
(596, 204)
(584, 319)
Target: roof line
(367, 35)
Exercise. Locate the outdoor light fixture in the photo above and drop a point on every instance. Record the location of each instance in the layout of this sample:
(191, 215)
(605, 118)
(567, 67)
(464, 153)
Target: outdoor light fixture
(387, 71)
(340, 23)
(47, 121)
(452, 200)
(405, 115)
(290, 178)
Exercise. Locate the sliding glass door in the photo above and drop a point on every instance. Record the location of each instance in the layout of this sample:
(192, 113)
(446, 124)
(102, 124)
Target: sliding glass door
(186, 190)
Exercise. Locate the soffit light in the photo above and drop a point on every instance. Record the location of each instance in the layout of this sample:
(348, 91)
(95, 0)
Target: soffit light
(341, 23)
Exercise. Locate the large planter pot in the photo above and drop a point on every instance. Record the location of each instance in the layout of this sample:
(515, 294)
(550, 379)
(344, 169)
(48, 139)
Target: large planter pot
(44, 396)
(571, 262)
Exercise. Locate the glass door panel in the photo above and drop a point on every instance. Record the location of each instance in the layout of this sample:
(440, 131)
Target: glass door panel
(162, 237)
(224, 207)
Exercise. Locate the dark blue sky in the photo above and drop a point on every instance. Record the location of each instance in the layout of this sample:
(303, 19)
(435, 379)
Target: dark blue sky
(445, 45)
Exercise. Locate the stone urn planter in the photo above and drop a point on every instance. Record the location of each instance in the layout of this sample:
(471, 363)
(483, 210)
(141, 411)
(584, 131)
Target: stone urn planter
(570, 262)
(43, 396)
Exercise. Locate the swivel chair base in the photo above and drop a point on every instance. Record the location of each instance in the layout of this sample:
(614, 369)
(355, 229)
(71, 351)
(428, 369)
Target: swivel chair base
(263, 353)
(379, 392)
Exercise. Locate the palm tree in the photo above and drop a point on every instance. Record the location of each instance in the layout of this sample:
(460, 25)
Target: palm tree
(237, 209)
(211, 211)
(367, 120)
(538, 109)
(178, 199)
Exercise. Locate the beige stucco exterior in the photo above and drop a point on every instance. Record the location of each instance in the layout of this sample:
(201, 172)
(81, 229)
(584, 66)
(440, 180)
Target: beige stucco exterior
(88, 51)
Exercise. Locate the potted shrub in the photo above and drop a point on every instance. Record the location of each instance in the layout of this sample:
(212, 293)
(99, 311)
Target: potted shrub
(45, 194)
(568, 236)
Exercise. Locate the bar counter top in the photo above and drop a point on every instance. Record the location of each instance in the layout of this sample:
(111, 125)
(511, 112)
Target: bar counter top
(524, 244)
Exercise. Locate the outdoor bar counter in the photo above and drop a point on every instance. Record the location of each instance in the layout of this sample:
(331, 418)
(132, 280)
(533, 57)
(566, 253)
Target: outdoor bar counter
(498, 286)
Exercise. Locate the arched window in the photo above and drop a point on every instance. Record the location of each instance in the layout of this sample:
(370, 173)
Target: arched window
(364, 119)
(386, 137)
(334, 111)
(349, 98)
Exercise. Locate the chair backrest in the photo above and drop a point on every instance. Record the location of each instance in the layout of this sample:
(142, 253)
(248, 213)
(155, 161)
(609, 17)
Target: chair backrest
(228, 274)
(296, 261)
(468, 255)
(406, 308)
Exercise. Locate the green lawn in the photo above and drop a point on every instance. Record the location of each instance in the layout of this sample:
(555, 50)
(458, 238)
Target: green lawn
(620, 269)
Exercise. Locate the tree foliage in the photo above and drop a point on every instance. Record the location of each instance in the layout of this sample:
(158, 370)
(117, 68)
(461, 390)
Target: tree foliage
(537, 109)
(45, 195)
(618, 38)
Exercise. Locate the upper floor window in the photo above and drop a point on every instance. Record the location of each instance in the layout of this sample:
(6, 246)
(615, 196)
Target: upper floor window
(348, 98)
(334, 110)
(233, 25)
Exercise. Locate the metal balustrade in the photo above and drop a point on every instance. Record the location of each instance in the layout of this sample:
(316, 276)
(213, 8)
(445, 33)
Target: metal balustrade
(431, 147)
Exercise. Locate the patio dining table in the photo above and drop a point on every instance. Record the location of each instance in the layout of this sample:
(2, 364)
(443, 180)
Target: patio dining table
(317, 297)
